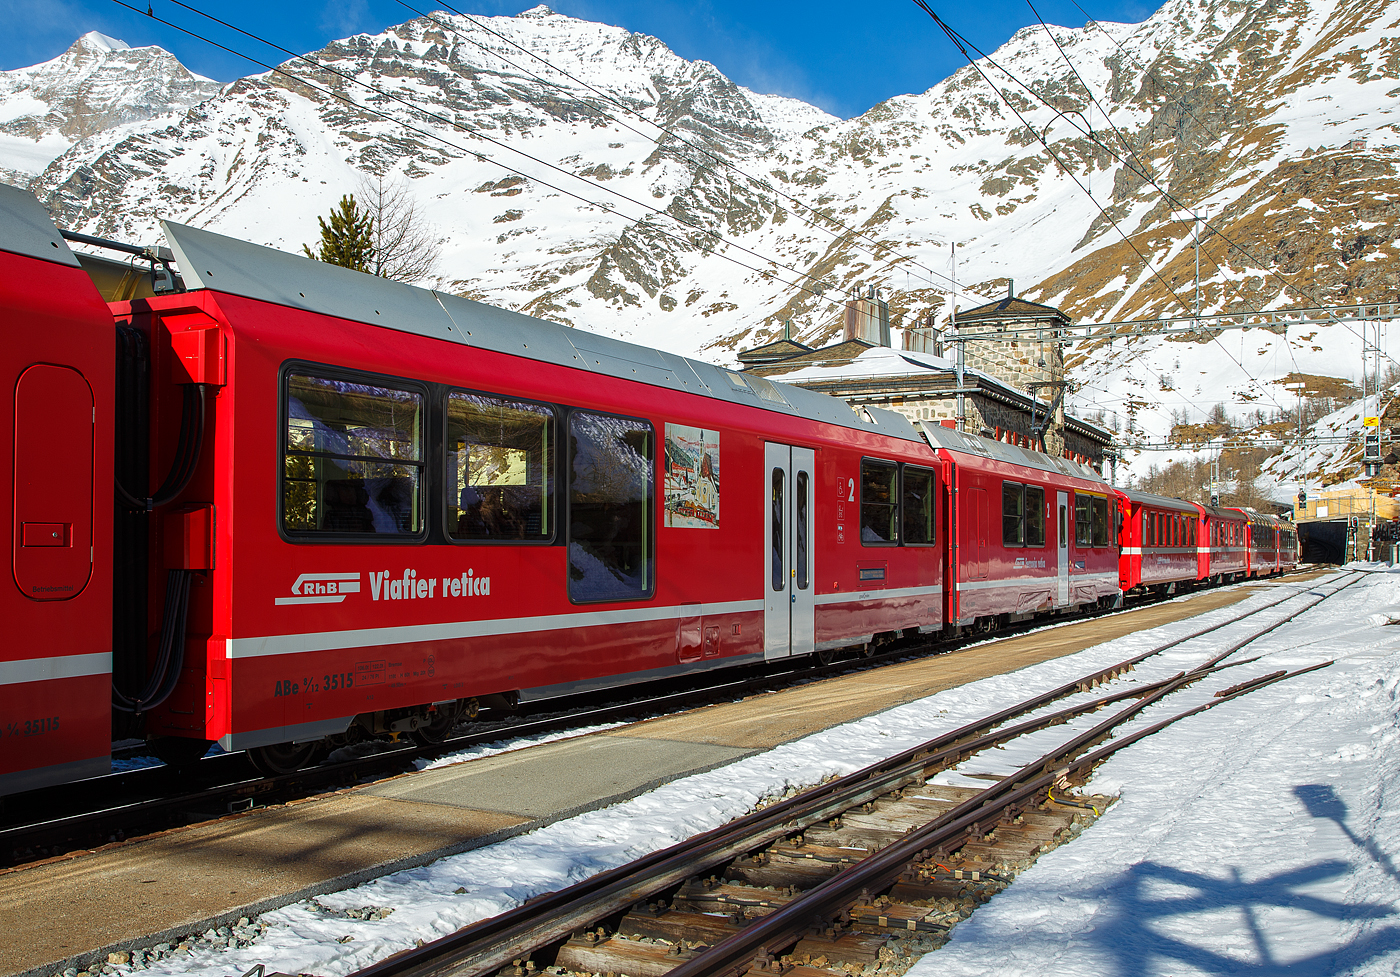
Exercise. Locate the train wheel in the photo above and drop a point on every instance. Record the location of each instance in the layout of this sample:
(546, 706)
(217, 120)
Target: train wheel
(444, 720)
(272, 761)
(824, 657)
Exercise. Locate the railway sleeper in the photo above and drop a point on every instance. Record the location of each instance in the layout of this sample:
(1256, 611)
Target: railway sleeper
(620, 955)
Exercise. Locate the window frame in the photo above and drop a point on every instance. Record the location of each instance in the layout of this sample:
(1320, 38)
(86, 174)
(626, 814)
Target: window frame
(651, 518)
(1017, 492)
(1026, 511)
(558, 414)
(932, 511)
(328, 371)
(895, 503)
(1086, 541)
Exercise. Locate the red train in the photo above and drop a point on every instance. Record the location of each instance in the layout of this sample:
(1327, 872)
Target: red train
(348, 507)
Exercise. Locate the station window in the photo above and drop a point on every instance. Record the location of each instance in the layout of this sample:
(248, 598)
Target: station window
(1013, 514)
(612, 490)
(352, 457)
(499, 468)
(1035, 515)
(879, 503)
(917, 496)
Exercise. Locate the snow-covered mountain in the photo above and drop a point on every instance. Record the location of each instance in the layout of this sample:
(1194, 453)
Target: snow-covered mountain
(98, 84)
(629, 223)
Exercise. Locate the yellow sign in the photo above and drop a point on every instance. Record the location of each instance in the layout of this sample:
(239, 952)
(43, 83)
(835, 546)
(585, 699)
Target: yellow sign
(1371, 422)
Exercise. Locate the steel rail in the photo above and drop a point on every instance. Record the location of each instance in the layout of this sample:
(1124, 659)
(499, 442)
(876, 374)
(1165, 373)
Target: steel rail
(492, 943)
(777, 930)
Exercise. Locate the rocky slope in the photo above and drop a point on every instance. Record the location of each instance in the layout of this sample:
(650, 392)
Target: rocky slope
(549, 197)
(98, 84)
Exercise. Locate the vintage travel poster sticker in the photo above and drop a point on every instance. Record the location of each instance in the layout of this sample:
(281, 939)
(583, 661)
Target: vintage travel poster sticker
(692, 477)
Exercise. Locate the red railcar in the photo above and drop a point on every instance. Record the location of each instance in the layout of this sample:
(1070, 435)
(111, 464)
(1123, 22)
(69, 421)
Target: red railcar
(1224, 531)
(1160, 543)
(380, 506)
(1034, 533)
(56, 458)
(1272, 544)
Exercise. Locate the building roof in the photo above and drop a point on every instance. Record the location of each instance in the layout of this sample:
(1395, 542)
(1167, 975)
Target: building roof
(780, 349)
(1012, 308)
(879, 367)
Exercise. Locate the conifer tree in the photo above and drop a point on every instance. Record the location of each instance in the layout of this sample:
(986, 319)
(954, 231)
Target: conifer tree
(347, 239)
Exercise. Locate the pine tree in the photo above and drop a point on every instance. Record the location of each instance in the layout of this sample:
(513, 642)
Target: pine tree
(347, 239)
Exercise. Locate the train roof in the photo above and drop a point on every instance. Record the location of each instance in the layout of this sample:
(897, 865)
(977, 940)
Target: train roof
(947, 438)
(1161, 501)
(224, 264)
(29, 230)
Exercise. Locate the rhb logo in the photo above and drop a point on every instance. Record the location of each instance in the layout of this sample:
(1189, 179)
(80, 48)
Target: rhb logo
(322, 588)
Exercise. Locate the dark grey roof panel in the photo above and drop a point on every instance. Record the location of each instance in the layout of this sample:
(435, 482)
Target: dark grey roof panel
(615, 358)
(504, 331)
(225, 264)
(1161, 501)
(944, 437)
(893, 422)
(28, 229)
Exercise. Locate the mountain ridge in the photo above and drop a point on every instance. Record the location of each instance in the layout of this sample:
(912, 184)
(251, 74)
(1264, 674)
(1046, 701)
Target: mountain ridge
(1244, 112)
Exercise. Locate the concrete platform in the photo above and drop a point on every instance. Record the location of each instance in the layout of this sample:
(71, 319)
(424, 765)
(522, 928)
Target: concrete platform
(77, 908)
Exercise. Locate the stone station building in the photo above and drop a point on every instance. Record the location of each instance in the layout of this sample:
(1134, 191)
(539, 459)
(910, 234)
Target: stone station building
(920, 380)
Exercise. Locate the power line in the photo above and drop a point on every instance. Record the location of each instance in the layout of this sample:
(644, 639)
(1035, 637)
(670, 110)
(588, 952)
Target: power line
(959, 41)
(818, 293)
(950, 286)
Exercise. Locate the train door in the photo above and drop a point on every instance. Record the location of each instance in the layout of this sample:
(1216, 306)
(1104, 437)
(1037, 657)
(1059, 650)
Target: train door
(977, 536)
(1062, 548)
(789, 626)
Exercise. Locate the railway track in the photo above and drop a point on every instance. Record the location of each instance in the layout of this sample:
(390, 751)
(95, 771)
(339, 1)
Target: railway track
(859, 875)
(105, 810)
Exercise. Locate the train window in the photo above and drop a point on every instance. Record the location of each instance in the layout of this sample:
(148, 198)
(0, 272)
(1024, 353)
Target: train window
(612, 490)
(1099, 519)
(917, 500)
(1035, 515)
(800, 501)
(779, 504)
(352, 457)
(1083, 525)
(879, 503)
(1013, 514)
(1191, 531)
(500, 457)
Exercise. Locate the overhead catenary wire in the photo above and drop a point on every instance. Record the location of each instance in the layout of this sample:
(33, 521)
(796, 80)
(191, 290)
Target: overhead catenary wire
(947, 284)
(1145, 171)
(963, 44)
(652, 210)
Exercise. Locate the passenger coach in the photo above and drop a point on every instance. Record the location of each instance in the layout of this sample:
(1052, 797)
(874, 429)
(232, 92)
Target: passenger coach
(1160, 549)
(1034, 533)
(348, 506)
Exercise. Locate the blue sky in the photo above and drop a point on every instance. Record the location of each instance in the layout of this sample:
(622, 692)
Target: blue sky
(843, 57)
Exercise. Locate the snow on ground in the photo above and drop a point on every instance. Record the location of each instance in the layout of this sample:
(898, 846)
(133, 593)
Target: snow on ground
(1251, 839)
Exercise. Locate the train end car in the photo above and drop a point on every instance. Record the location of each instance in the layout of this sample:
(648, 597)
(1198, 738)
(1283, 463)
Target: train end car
(56, 466)
(1160, 543)
(1034, 534)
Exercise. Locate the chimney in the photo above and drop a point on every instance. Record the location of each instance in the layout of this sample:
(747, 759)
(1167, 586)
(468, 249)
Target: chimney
(868, 317)
(1011, 288)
